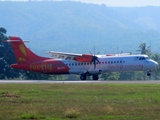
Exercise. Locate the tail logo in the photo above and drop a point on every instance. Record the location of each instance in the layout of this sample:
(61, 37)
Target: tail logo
(21, 59)
(23, 51)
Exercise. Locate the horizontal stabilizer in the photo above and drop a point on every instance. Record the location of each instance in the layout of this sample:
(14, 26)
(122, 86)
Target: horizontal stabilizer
(15, 40)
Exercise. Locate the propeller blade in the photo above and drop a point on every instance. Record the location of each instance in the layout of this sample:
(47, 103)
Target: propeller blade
(94, 58)
(91, 53)
(97, 60)
(97, 53)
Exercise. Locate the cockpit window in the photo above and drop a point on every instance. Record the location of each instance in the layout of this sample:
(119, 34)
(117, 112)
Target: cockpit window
(142, 58)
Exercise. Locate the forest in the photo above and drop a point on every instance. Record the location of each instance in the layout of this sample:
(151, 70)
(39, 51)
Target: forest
(7, 58)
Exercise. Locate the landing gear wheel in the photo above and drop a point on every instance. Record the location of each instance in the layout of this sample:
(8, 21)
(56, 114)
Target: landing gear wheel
(95, 77)
(149, 73)
(83, 77)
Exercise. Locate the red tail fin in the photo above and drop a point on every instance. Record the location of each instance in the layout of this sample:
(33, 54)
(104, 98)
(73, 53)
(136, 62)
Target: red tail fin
(22, 53)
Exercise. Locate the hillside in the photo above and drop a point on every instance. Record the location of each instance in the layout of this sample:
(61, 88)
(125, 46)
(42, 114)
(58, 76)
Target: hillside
(78, 27)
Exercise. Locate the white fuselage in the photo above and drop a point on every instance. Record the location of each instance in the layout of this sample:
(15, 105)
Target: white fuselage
(113, 64)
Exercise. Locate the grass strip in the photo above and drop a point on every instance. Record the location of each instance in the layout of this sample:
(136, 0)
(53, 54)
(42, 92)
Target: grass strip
(79, 101)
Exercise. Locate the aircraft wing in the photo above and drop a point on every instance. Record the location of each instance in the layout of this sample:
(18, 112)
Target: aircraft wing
(63, 55)
(71, 56)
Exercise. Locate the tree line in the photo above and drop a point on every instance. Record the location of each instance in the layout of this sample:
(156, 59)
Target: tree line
(7, 58)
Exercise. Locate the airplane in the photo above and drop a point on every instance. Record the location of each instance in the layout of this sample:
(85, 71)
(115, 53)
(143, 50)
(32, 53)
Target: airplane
(80, 64)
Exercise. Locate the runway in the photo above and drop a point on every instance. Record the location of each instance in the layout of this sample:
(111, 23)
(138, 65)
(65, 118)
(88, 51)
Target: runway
(76, 82)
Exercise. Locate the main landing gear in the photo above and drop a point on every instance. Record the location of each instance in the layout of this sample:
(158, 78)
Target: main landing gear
(95, 77)
(83, 77)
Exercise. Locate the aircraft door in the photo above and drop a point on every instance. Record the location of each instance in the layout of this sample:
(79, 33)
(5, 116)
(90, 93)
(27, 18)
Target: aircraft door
(44, 67)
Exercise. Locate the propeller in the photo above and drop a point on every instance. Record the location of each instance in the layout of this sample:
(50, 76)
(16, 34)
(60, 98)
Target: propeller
(94, 58)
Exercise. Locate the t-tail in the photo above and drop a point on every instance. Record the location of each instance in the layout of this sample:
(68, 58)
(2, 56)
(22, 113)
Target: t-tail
(23, 55)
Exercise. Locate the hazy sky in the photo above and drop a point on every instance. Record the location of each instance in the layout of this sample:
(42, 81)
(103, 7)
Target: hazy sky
(125, 3)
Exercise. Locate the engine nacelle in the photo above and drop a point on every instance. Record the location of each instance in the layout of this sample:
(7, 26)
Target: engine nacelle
(84, 58)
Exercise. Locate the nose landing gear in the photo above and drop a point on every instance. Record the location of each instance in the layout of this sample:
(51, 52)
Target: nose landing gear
(149, 73)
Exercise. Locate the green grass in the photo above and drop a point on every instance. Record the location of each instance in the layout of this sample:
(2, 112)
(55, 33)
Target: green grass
(79, 101)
